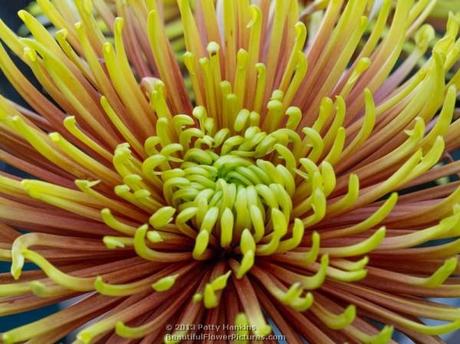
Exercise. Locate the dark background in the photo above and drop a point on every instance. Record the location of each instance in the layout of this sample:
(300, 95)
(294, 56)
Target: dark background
(8, 10)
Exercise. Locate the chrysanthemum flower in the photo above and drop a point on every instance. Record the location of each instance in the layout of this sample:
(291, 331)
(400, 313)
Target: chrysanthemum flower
(276, 177)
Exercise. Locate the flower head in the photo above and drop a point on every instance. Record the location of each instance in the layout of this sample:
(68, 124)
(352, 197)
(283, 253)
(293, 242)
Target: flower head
(269, 174)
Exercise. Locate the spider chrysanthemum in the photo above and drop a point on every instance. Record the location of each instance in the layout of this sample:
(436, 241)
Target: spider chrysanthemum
(289, 171)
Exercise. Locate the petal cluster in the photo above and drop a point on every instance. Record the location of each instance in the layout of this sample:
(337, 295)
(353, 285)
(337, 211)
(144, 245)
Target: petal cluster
(211, 170)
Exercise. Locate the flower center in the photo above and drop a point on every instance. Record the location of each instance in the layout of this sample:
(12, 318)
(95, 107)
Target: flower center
(225, 185)
(229, 184)
(231, 187)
